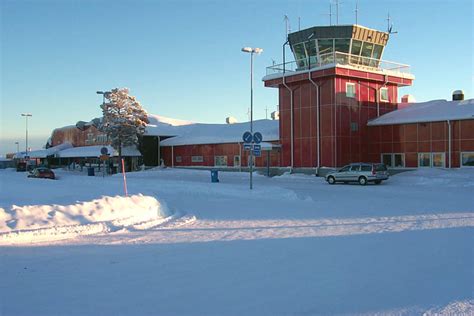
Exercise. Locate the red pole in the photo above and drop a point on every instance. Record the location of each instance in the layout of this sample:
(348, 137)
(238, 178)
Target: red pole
(124, 178)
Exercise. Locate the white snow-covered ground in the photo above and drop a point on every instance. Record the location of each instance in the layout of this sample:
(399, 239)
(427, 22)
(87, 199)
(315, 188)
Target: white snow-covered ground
(180, 245)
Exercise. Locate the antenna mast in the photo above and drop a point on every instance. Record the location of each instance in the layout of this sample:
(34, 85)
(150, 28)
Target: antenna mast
(287, 26)
(330, 13)
(357, 10)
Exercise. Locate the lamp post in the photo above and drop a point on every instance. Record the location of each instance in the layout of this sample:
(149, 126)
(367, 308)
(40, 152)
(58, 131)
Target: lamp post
(26, 115)
(251, 51)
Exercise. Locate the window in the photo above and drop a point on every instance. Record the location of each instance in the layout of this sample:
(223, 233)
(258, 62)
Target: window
(356, 47)
(366, 168)
(438, 160)
(354, 126)
(350, 90)
(310, 47)
(387, 159)
(394, 160)
(384, 94)
(345, 169)
(197, 159)
(424, 160)
(300, 54)
(355, 168)
(467, 159)
(220, 161)
(342, 45)
(178, 159)
(236, 161)
(399, 160)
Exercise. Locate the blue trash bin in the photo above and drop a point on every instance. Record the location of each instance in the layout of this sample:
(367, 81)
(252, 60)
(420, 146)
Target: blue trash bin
(90, 171)
(214, 176)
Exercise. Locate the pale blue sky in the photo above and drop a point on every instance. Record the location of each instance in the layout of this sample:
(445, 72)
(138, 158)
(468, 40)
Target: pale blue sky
(182, 59)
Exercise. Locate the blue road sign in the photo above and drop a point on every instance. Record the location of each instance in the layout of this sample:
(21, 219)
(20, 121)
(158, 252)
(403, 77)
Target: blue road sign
(257, 147)
(247, 137)
(257, 153)
(257, 137)
(247, 146)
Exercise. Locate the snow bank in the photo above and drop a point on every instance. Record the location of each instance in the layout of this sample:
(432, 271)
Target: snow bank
(111, 213)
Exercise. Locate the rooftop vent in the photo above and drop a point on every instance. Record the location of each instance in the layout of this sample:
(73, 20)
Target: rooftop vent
(407, 99)
(231, 120)
(458, 95)
(275, 115)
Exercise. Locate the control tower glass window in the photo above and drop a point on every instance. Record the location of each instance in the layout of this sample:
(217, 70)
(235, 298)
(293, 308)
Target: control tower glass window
(326, 47)
(367, 49)
(311, 51)
(342, 46)
(300, 54)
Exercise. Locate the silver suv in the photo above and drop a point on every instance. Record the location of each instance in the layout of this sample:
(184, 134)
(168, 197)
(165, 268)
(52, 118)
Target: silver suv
(359, 172)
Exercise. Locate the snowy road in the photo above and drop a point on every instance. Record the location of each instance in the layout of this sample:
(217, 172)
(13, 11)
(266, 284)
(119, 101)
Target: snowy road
(293, 246)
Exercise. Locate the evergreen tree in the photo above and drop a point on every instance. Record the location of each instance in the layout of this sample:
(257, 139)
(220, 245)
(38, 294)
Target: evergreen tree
(124, 119)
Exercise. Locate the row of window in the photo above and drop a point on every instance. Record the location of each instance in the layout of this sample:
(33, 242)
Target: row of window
(351, 92)
(435, 160)
(317, 50)
(219, 161)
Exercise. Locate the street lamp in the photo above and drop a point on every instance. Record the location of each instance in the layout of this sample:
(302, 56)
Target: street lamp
(26, 115)
(251, 51)
(103, 95)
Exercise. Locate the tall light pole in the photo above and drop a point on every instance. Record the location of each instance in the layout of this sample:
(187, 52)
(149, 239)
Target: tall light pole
(26, 115)
(103, 96)
(17, 149)
(251, 51)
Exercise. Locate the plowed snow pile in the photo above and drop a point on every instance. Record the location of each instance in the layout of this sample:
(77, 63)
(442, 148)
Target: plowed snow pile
(32, 223)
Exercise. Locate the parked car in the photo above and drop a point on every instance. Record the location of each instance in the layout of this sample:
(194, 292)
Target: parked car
(44, 173)
(359, 172)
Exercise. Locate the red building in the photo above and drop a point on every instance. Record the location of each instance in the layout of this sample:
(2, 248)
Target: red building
(336, 85)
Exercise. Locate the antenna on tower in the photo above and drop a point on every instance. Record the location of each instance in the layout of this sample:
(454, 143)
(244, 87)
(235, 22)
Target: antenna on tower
(390, 25)
(299, 23)
(337, 11)
(330, 13)
(357, 10)
(287, 26)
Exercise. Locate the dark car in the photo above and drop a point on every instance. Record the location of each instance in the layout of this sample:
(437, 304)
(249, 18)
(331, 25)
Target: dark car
(44, 173)
(359, 172)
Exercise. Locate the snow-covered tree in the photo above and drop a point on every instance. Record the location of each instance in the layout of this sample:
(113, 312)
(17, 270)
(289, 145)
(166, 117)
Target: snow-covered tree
(124, 119)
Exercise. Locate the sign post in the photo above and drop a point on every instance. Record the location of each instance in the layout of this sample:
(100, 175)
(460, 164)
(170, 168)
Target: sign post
(124, 178)
(251, 142)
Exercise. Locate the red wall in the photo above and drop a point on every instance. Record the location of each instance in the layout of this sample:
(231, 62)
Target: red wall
(209, 151)
(411, 139)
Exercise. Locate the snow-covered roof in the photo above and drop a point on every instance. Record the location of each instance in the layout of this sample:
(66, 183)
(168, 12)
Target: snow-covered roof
(94, 151)
(50, 151)
(194, 134)
(163, 126)
(431, 111)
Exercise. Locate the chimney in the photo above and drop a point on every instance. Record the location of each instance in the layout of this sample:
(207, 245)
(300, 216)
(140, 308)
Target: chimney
(458, 95)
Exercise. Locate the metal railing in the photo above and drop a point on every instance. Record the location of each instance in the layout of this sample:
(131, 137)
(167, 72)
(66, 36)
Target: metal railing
(338, 58)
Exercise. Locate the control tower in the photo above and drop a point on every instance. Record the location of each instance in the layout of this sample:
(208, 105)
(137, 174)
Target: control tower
(336, 83)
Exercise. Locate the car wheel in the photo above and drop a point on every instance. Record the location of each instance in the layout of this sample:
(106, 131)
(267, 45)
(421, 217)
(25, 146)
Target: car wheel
(331, 180)
(378, 181)
(362, 181)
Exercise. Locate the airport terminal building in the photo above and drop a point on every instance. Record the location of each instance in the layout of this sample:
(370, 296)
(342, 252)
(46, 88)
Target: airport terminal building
(338, 103)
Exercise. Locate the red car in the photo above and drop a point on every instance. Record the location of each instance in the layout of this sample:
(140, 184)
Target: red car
(42, 172)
